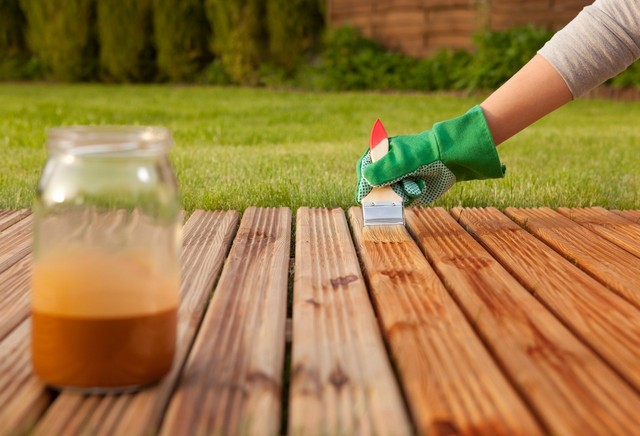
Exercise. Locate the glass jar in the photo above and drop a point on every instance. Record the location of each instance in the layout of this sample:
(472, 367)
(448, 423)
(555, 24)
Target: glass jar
(106, 259)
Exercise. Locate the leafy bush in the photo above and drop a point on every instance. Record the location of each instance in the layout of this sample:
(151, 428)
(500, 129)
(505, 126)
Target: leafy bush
(348, 61)
(446, 70)
(14, 56)
(293, 27)
(59, 34)
(239, 37)
(500, 54)
(181, 38)
(12, 24)
(214, 74)
(629, 78)
(124, 29)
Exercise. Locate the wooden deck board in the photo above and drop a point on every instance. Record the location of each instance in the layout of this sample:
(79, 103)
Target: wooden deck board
(631, 215)
(613, 266)
(341, 379)
(207, 236)
(232, 381)
(528, 341)
(573, 296)
(523, 321)
(609, 225)
(10, 217)
(15, 283)
(439, 357)
(15, 241)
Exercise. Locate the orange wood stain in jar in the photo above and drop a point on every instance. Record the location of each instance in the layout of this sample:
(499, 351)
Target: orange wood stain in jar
(101, 319)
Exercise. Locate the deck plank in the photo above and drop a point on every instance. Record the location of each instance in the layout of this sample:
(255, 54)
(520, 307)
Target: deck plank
(15, 241)
(613, 266)
(10, 217)
(232, 380)
(574, 297)
(22, 395)
(631, 215)
(207, 237)
(450, 380)
(15, 283)
(562, 379)
(341, 380)
(610, 226)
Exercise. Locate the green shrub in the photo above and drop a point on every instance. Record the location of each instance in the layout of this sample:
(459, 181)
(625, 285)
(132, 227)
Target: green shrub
(125, 34)
(59, 34)
(214, 74)
(446, 70)
(181, 38)
(14, 56)
(12, 24)
(500, 54)
(629, 78)
(239, 37)
(294, 27)
(348, 61)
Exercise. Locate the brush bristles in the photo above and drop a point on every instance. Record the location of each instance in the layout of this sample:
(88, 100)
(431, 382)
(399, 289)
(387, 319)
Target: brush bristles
(377, 234)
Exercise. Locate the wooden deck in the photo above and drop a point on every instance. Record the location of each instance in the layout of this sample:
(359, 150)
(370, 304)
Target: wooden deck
(524, 321)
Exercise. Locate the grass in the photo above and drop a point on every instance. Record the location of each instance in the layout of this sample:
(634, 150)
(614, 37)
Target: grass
(237, 147)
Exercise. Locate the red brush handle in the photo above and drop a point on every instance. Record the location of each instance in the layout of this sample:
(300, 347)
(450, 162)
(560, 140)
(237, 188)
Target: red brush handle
(378, 141)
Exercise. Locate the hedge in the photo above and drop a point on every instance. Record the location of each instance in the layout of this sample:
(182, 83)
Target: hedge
(182, 35)
(293, 27)
(126, 40)
(60, 34)
(239, 37)
(247, 42)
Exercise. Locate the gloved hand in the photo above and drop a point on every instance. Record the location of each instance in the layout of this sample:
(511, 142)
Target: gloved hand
(422, 167)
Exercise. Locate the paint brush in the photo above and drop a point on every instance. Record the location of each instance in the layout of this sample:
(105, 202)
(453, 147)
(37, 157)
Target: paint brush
(382, 208)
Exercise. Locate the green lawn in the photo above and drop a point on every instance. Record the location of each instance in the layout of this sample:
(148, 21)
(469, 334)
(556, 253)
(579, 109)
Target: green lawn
(238, 147)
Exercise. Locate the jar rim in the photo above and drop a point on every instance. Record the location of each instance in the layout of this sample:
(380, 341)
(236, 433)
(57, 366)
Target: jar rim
(109, 139)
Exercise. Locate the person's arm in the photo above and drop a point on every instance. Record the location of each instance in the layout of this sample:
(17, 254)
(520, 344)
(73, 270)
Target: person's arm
(533, 92)
(599, 43)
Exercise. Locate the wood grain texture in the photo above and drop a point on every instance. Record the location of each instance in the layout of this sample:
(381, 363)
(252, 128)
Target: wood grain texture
(10, 217)
(15, 283)
(232, 381)
(613, 266)
(562, 379)
(631, 215)
(207, 237)
(341, 380)
(450, 381)
(15, 241)
(610, 226)
(22, 396)
(573, 296)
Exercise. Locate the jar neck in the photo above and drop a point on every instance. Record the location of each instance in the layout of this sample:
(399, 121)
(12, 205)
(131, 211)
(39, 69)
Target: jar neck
(109, 141)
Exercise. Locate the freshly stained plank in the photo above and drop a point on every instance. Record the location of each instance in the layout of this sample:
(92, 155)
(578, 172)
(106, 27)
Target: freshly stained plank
(341, 379)
(613, 266)
(450, 381)
(232, 381)
(15, 242)
(207, 237)
(14, 295)
(10, 217)
(562, 379)
(631, 215)
(610, 226)
(573, 296)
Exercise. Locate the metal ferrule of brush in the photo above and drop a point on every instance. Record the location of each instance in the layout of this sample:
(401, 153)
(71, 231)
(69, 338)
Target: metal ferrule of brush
(383, 213)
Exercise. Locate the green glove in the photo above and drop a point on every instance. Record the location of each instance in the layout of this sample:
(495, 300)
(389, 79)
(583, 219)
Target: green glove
(422, 167)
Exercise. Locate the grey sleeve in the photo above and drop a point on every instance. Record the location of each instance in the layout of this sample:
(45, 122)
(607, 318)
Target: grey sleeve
(602, 41)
